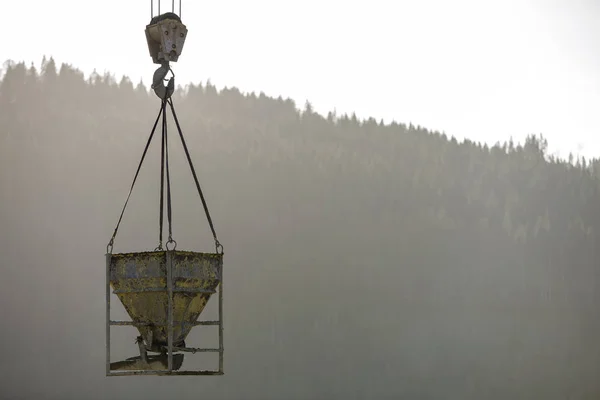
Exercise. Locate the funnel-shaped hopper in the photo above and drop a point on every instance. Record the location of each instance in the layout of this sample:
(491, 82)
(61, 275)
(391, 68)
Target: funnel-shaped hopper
(140, 282)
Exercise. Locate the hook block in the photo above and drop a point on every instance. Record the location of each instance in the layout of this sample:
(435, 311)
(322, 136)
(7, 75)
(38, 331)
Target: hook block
(166, 36)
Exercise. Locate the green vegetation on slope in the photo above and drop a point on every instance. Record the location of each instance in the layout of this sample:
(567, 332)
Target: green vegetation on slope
(363, 259)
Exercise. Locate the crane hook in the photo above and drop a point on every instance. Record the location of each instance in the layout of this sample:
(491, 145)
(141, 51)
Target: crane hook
(158, 85)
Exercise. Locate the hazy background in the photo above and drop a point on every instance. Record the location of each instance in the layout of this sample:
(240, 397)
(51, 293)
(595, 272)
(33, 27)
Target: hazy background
(481, 69)
(363, 259)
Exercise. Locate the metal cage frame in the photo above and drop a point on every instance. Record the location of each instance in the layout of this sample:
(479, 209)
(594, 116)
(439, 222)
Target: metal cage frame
(169, 371)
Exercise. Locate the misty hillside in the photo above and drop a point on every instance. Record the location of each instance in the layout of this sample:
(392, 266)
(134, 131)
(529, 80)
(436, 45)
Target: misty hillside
(362, 259)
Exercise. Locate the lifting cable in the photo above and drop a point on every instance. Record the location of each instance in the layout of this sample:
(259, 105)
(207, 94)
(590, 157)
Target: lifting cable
(162, 181)
(165, 171)
(109, 247)
(164, 167)
(172, 8)
(164, 93)
(218, 245)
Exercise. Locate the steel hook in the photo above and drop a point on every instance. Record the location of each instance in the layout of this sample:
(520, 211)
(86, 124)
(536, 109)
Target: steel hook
(158, 85)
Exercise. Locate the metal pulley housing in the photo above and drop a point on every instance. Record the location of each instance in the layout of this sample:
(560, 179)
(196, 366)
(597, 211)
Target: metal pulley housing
(166, 36)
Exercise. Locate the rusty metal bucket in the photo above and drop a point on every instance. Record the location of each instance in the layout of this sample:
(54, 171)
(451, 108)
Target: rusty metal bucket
(142, 280)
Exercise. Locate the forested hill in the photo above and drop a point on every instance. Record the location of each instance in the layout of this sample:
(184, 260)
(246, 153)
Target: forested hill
(363, 259)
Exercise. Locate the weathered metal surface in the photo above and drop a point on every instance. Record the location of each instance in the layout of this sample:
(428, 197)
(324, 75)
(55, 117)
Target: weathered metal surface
(107, 284)
(196, 350)
(166, 373)
(154, 363)
(131, 323)
(221, 326)
(165, 36)
(170, 308)
(195, 276)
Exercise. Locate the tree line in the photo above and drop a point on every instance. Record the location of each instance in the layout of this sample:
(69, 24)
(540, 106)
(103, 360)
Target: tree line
(379, 259)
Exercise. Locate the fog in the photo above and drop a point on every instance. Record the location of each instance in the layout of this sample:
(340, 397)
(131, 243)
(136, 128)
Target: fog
(362, 260)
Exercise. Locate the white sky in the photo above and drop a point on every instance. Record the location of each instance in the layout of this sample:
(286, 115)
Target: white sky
(479, 69)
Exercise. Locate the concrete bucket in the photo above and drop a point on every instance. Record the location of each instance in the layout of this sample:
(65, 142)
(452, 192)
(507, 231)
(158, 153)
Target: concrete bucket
(142, 281)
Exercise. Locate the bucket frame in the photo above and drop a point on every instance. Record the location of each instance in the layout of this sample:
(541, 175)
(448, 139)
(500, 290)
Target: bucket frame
(170, 324)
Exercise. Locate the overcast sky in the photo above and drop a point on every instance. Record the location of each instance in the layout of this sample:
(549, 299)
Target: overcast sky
(486, 70)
